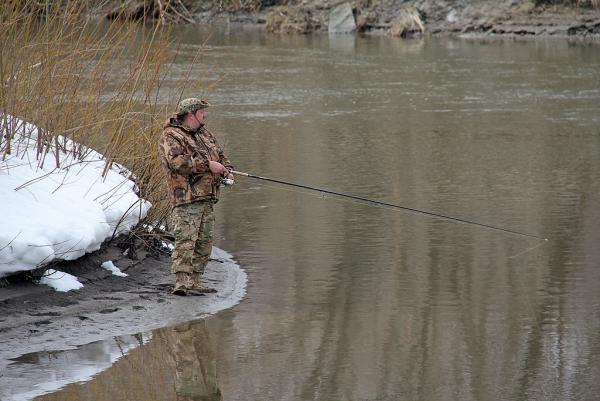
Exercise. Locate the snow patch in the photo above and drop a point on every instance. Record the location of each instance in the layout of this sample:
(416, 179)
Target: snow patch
(59, 213)
(168, 245)
(452, 16)
(60, 281)
(110, 266)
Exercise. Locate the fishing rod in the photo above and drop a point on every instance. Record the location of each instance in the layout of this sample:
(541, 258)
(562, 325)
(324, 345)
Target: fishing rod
(380, 203)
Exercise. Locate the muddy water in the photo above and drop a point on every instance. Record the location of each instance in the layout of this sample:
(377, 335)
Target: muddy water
(347, 301)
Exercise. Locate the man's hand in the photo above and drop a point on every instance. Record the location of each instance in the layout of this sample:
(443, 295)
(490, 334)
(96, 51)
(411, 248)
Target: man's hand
(217, 168)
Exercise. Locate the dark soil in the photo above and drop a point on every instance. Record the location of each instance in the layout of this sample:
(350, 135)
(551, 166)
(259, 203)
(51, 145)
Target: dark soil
(35, 317)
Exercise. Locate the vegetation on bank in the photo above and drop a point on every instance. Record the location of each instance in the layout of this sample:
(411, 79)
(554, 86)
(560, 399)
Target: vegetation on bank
(574, 3)
(175, 7)
(99, 85)
(403, 18)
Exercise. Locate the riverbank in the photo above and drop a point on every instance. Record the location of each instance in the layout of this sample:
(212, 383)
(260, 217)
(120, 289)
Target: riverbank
(389, 17)
(35, 318)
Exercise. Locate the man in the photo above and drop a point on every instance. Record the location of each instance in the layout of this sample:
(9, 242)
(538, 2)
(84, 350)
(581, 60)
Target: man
(195, 164)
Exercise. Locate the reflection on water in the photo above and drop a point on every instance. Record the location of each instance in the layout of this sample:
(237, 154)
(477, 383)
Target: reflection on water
(351, 302)
(178, 364)
(38, 373)
(195, 365)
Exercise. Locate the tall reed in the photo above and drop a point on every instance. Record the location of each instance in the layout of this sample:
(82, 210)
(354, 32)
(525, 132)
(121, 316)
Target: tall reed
(95, 83)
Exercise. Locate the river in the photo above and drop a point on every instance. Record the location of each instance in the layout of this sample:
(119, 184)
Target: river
(348, 301)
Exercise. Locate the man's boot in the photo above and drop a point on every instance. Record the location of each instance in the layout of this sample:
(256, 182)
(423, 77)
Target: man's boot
(196, 287)
(181, 283)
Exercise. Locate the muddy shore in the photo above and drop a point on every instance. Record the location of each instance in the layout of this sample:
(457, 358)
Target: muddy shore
(381, 17)
(36, 318)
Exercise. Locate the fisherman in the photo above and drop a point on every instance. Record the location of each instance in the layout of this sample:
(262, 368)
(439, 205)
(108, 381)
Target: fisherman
(195, 166)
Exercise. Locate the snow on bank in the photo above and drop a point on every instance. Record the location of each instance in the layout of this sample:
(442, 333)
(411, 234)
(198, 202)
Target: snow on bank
(51, 213)
(60, 281)
(110, 266)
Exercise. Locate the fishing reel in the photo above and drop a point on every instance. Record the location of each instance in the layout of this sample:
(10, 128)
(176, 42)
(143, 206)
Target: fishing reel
(227, 181)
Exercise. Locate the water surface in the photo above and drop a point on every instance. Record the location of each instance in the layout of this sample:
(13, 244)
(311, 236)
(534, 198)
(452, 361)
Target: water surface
(347, 301)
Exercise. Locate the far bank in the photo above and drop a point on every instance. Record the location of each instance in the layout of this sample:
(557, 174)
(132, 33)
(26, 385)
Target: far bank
(396, 18)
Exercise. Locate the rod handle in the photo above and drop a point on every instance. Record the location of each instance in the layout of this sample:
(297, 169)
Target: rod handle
(239, 173)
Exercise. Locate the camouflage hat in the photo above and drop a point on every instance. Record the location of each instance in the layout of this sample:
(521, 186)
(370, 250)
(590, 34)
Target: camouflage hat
(190, 105)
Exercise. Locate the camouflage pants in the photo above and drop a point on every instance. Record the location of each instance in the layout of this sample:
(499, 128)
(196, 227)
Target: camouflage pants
(193, 228)
(195, 362)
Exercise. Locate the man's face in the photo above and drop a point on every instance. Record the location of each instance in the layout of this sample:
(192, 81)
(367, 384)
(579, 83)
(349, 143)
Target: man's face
(200, 115)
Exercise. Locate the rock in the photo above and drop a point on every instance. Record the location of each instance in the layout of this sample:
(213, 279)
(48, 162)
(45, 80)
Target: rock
(408, 23)
(452, 16)
(341, 19)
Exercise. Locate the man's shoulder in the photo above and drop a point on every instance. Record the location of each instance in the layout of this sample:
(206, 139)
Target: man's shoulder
(175, 132)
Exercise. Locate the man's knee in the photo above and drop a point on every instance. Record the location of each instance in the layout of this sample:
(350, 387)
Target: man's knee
(184, 244)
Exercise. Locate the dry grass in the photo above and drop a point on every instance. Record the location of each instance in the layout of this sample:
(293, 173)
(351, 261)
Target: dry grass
(407, 23)
(95, 84)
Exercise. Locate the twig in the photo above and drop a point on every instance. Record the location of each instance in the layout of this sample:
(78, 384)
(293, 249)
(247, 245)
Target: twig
(11, 241)
(122, 219)
(34, 180)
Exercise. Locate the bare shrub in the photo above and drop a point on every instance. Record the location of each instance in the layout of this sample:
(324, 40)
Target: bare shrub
(96, 84)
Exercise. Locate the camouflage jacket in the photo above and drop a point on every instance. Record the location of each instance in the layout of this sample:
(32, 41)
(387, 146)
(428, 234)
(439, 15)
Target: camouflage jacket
(185, 155)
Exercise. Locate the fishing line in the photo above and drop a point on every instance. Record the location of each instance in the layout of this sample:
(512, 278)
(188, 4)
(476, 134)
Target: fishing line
(389, 205)
(527, 250)
(354, 202)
